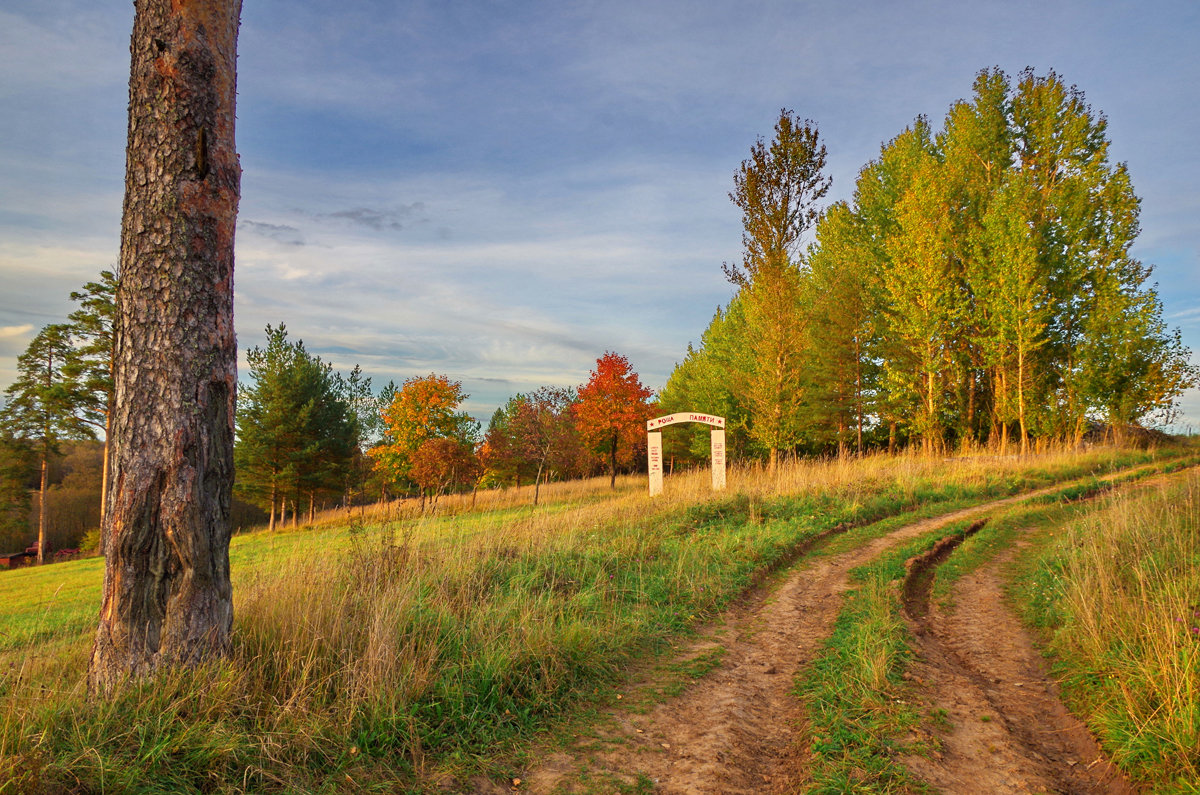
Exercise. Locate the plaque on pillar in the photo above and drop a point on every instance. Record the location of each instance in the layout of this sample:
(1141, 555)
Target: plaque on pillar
(655, 462)
(718, 459)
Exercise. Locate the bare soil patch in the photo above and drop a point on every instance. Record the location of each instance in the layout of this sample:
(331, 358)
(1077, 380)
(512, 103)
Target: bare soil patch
(1004, 728)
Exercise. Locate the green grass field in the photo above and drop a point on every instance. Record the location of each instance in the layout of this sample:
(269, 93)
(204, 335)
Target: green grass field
(414, 653)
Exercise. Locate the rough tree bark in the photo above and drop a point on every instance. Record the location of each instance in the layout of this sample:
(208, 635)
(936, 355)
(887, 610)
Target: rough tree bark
(167, 599)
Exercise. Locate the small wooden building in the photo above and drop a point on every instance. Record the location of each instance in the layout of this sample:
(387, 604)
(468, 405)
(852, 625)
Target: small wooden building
(15, 560)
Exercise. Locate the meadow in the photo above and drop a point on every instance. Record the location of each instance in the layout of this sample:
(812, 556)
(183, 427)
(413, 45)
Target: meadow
(390, 650)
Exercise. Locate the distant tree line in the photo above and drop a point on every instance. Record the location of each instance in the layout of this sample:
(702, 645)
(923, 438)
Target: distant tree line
(54, 431)
(308, 437)
(427, 443)
(978, 289)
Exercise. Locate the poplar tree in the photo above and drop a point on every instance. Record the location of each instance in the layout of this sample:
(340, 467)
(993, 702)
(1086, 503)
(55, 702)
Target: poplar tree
(924, 302)
(1084, 219)
(976, 153)
(979, 285)
(709, 380)
(843, 337)
(778, 189)
(1015, 294)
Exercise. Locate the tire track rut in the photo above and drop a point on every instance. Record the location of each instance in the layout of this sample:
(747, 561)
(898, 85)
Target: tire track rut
(978, 667)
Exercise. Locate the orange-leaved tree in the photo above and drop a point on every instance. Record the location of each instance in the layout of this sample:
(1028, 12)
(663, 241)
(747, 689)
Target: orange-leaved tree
(424, 408)
(612, 410)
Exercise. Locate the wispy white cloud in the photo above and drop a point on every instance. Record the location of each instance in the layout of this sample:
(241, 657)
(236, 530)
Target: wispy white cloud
(1185, 314)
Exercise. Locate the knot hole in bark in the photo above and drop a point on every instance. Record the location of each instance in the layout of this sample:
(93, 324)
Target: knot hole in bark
(202, 153)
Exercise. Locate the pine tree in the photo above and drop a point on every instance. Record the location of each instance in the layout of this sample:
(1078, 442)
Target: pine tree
(17, 464)
(46, 405)
(167, 598)
(91, 368)
(296, 432)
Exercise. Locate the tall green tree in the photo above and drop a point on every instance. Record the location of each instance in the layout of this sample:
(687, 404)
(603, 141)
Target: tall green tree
(270, 427)
(924, 302)
(331, 438)
(296, 431)
(45, 405)
(709, 380)
(1015, 295)
(363, 406)
(1084, 218)
(778, 189)
(1135, 367)
(91, 368)
(843, 333)
(979, 287)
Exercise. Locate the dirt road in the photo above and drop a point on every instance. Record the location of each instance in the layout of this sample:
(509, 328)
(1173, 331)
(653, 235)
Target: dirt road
(739, 729)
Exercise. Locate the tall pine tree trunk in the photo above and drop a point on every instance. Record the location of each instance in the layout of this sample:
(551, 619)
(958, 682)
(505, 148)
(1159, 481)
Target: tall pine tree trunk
(167, 598)
(104, 479)
(41, 556)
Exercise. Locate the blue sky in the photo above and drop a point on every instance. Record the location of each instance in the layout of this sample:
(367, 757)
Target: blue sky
(502, 191)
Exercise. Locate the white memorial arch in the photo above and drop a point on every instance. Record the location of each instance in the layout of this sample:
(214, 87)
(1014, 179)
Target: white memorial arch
(654, 447)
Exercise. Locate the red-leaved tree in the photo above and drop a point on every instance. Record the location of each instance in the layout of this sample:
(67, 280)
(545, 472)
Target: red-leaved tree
(612, 411)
